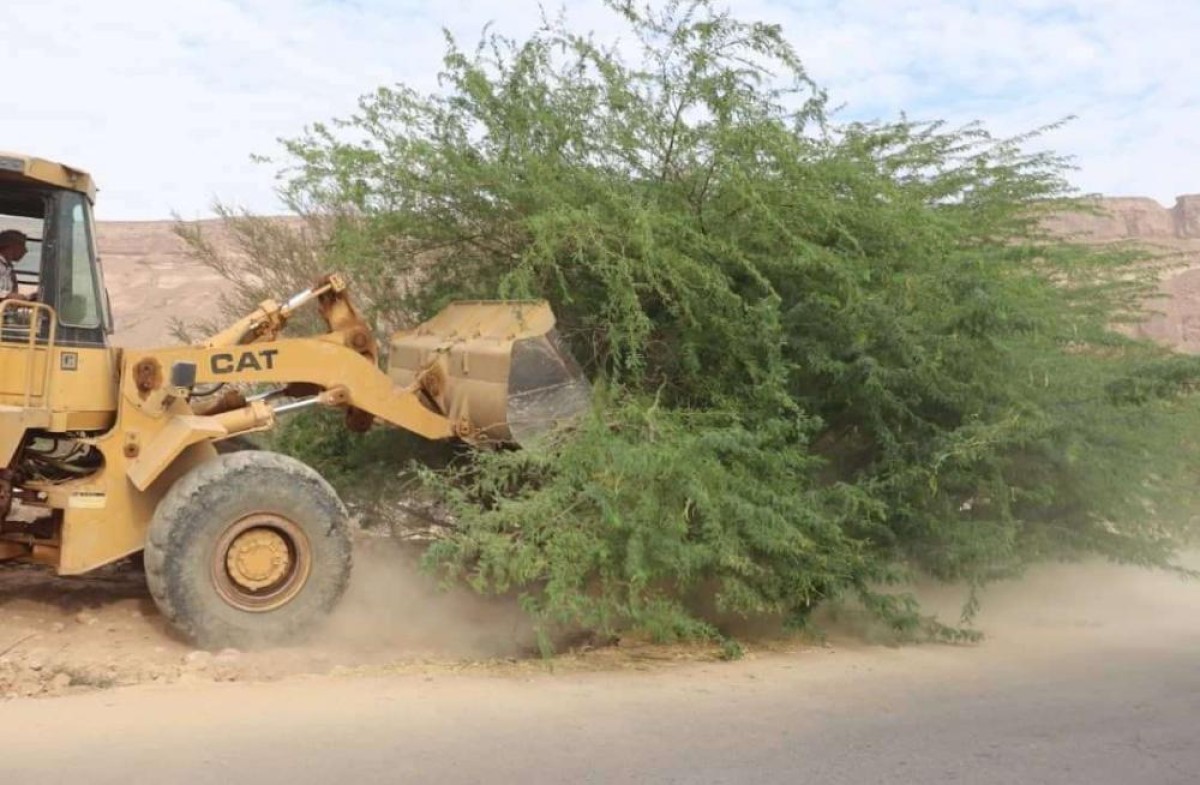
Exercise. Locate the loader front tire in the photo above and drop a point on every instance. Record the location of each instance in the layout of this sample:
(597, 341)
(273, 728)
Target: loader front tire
(247, 550)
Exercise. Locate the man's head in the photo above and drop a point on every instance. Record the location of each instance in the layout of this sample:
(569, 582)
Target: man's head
(12, 245)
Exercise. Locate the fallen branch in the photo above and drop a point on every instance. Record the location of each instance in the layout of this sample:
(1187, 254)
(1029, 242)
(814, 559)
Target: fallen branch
(16, 643)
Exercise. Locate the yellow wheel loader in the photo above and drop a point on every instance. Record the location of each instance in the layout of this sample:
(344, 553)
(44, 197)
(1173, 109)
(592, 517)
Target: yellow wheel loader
(107, 452)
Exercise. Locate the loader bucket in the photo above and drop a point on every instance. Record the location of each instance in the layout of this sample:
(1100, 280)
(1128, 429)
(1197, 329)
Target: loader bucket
(497, 369)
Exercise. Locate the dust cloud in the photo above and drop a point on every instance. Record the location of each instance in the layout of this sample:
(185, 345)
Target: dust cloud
(393, 606)
(394, 609)
(1092, 603)
(60, 635)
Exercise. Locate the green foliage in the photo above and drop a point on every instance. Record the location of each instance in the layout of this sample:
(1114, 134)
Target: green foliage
(832, 353)
(321, 439)
(618, 521)
(362, 463)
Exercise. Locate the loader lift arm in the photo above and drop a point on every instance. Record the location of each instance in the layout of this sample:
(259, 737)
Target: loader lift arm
(346, 378)
(338, 368)
(481, 371)
(270, 318)
(343, 322)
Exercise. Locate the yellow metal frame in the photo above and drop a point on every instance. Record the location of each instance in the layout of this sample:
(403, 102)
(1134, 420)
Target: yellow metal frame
(27, 405)
(149, 434)
(26, 167)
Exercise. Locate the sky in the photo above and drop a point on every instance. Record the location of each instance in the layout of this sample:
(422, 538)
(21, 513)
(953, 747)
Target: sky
(166, 102)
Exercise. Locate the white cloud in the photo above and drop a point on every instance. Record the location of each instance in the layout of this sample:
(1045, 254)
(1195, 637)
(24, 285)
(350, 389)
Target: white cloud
(165, 102)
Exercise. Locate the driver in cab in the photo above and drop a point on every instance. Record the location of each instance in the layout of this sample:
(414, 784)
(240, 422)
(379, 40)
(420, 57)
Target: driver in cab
(12, 250)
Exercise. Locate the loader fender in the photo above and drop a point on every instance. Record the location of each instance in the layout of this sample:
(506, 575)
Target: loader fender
(183, 430)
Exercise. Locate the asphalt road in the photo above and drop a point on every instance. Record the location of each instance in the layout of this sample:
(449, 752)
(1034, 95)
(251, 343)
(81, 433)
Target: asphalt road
(1086, 696)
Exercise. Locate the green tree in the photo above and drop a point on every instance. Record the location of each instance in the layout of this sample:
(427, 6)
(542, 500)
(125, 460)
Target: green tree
(827, 354)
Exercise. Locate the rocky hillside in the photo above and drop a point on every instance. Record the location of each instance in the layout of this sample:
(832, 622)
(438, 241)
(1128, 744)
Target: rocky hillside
(1173, 231)
(1140, 218)
(151, 279)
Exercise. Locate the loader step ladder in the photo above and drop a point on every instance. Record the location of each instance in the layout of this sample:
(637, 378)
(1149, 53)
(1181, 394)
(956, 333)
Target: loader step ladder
(20, 325)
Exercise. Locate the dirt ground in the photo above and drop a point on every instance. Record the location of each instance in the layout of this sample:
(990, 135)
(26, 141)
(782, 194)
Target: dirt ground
(61, 636)
(68, 635)
(1089, 676)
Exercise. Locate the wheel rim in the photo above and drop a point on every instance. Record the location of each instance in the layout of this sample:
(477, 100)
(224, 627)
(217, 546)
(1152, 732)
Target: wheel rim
(261, 562)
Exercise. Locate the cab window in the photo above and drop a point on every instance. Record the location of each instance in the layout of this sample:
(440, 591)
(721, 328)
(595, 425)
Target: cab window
(78, 299)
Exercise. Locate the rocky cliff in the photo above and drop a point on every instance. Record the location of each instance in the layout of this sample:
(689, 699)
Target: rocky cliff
(1171, 231)
(1120, 218)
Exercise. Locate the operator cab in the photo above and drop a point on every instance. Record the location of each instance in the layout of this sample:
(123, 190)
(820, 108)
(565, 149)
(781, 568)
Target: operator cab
(52, 205)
